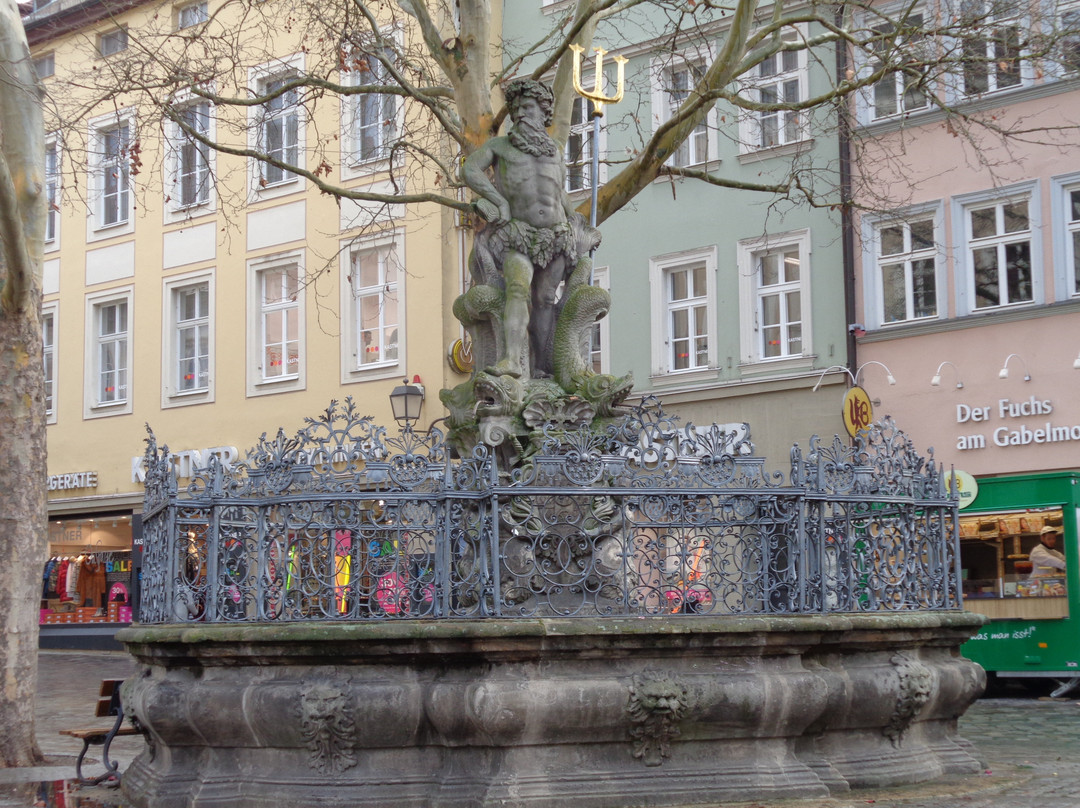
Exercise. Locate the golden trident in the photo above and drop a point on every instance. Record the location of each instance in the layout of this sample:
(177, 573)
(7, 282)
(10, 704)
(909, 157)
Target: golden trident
(596, 95)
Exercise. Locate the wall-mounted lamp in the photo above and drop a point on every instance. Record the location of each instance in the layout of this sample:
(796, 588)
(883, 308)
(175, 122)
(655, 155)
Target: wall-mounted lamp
(888, 373)
(1004, 372)
(854, 376)
(1076, 363)
(936, 381)
(830, 369)
(406, 401)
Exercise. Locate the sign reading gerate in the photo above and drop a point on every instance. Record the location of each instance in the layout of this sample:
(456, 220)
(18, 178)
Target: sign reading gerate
(66, 482)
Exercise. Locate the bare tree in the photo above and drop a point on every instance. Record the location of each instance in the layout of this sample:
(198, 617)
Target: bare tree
(22, 411)
(409, 88)
(420, 80)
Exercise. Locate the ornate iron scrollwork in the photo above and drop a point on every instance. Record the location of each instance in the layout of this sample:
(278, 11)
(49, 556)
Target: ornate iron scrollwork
(635, 515)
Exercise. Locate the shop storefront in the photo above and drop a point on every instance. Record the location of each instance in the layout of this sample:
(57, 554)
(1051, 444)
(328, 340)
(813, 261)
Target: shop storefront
(89, 584)
(1029, 602)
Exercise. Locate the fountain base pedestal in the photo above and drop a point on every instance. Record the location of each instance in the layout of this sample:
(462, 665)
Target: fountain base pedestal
(593, 712)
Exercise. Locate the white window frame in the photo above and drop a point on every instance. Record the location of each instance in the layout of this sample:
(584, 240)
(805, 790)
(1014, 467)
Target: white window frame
(191, 15)
(53, 191)
(867, 98)
(1069, 46)
(259, 383)
(259, 78)
(45, 65)
(50, 312)
(1066, 250)
(873, 283)
(748, 253)
(1025, 72)
(93, 407)
(660, 268)
(99, 164)
(391, 245)
(354, 161)
(962, 241)
(1072, 227)
(177, 209)
(661, 71)
(115, 39)
(583, 130)
(750, 121)
(172, 394)
(601, 354)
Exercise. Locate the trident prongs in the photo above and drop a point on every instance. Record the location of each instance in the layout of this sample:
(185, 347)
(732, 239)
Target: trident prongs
(596, 95)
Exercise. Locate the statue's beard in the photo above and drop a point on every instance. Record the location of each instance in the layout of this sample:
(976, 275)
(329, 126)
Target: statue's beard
(531, 138)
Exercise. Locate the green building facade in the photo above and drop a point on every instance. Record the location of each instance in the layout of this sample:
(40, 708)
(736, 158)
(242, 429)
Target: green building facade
(727, 304)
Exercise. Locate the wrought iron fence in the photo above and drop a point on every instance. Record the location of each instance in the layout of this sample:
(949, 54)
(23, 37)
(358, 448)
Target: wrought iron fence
(643, 516)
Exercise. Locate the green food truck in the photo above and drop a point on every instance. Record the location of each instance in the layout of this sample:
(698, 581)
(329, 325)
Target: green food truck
(1034, 609)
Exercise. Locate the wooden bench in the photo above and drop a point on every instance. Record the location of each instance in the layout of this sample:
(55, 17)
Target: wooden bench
(108, 704)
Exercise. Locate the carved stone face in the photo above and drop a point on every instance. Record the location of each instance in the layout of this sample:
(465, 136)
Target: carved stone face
(527, 109)
(322, 703)
(657, 697)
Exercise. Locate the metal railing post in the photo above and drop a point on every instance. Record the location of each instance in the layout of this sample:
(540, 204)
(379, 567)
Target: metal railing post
(491, 555)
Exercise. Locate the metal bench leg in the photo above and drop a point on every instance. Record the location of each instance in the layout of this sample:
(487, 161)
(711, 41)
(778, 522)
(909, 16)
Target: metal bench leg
(111, 767)
(79, 762)
(1064, 688)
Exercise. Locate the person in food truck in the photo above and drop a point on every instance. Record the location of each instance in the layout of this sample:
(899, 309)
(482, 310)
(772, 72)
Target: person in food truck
(1046, 559)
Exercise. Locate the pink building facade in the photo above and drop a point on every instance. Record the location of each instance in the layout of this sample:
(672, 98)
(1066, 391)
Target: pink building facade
(975, 268)
(967, 288)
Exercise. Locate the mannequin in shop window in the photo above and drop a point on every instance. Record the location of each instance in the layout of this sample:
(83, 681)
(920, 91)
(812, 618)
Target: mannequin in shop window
(90, 583)
(1046, 559)
(234, 577)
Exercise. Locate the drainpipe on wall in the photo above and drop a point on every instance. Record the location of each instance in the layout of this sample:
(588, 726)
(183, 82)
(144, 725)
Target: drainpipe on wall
(847, 230)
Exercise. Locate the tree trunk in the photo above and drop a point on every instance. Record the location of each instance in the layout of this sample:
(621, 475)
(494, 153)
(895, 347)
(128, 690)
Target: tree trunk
(23, 526)
(23, 507)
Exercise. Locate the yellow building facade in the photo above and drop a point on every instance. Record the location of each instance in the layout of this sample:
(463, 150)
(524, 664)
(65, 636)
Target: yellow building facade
(206, 294)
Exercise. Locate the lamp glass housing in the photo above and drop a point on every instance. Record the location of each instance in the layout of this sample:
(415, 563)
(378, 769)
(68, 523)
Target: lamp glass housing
(406, 401)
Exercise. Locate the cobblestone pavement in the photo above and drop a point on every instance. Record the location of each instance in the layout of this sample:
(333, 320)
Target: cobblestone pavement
(1030, 748)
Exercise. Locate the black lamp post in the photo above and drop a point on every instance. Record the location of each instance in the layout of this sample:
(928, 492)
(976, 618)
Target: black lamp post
(406, 401)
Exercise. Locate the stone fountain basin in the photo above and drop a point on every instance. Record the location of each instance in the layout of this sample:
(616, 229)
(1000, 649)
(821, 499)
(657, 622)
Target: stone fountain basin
(538, 713)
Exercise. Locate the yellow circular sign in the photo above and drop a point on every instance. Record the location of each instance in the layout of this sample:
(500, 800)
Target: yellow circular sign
(460, 356)
(967, 488)
(858, 411)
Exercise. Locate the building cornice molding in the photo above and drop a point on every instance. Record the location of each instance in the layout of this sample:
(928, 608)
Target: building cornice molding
(979, 320)
(64, 16)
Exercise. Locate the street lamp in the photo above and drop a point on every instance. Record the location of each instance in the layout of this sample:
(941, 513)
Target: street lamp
(407, 400)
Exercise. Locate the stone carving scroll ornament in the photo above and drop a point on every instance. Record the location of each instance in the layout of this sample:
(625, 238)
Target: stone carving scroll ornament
(916, 687)
(657, 703)
(328, 728)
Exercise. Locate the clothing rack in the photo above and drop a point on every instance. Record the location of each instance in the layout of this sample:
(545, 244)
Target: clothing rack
(71, 550)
